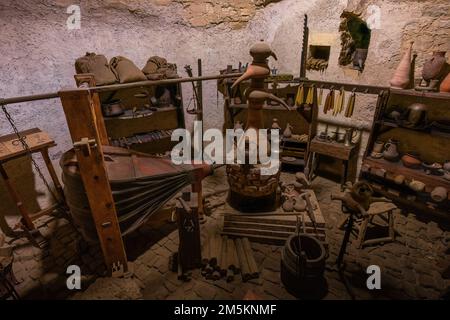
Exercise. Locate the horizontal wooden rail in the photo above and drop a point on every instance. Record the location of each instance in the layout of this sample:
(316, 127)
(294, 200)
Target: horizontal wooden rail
(113, 87)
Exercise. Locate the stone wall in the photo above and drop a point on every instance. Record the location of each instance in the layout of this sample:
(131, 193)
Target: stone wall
(38, 51)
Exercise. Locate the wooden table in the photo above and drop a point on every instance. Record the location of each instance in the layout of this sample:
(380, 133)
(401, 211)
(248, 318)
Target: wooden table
(11, 148)
(334, 150)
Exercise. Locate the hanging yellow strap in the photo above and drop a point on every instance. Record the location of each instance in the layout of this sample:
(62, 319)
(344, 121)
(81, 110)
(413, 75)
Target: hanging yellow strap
(300, 96)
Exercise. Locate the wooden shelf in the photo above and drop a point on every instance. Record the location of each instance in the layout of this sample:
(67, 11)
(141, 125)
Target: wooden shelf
(265, 107)
(423, 94)
(427, 130)
(397, 168)
(129, 115)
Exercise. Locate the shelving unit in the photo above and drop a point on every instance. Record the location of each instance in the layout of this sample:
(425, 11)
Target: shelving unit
(138, 121)
(432, 145)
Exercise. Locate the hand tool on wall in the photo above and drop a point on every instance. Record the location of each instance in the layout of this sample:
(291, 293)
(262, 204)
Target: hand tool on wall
(350, 105)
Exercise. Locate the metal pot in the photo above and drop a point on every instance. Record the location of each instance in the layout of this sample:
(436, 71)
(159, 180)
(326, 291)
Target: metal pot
(112, 108)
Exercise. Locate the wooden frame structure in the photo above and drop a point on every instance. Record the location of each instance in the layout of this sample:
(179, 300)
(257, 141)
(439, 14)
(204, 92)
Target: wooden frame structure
(87, 130)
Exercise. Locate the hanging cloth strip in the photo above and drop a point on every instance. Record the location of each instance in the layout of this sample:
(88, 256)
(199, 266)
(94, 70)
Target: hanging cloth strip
(350, 105)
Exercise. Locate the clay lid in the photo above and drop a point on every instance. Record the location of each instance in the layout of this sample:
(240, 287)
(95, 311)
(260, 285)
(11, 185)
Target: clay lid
(261, 51)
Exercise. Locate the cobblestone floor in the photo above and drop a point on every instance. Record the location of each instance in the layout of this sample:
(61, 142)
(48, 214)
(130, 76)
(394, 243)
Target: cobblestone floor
(411, 267)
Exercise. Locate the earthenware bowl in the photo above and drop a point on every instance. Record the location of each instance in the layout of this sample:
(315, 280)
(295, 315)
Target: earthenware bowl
(411, 160)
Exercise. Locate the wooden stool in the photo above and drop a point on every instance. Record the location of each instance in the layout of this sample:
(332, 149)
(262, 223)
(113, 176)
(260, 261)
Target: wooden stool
(376, 209)
(11, 148)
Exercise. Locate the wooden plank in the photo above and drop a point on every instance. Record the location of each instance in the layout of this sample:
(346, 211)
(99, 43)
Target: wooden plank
(96, 105)
(80, 118)
(11, 147)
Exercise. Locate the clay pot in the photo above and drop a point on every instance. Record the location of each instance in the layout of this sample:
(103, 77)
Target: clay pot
(447, 175)
(417, 185)
(300, 204)
(445, 84)
(399, 179)
(378, 146)
(288, 205)
(359, 58)
(390, 152)
(446, 165)
(416, 114)
(433, 68)
(401, 76)
(112, 109)
(439, 194)
(411, 160)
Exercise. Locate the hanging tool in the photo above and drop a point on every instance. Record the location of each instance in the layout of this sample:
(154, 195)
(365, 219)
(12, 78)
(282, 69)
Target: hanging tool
(340, 101)
(195, 110)
(350, 105)
(300, 97)
(310, 95)
(329, 101)
(319, 98)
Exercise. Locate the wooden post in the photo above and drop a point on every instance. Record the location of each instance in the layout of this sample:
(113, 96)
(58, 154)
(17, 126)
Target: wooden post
(88, 78)
(80, 116)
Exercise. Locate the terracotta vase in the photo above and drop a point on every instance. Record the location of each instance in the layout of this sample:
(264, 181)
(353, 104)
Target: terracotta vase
(445, 84)
(359, 59)
(401, 76)
(433, 68)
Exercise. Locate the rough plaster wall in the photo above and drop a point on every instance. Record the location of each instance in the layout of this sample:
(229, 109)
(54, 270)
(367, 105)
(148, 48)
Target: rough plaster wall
(38, 51)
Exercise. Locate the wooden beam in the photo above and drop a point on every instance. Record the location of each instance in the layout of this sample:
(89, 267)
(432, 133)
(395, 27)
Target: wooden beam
(80, 116)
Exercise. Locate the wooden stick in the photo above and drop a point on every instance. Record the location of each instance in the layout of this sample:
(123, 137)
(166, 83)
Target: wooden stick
(254, 272)
(232, 263)
(245, 270)
(206, 252)
(223, 266)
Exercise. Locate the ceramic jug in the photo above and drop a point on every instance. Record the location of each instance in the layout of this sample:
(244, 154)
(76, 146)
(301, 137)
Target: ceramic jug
(391, 150)
(359, 58)
(401, 76)
(275, 124)
(433, 68)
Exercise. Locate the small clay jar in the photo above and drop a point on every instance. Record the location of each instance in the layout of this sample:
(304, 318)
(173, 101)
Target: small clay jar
(439, 194)
(399, 179)
(412, 160)
(417, 185)
(287, 133)
(300, 204)
(288, 205)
